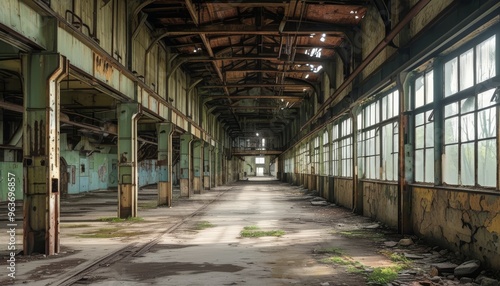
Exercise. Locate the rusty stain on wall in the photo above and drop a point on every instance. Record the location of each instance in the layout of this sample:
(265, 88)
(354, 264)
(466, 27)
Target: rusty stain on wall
(102, 67)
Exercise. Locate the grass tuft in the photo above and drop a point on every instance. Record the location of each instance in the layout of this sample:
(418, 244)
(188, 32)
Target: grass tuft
(254, 231)
(117, 219)
(383, 275)
(203, 225)
(109, 233)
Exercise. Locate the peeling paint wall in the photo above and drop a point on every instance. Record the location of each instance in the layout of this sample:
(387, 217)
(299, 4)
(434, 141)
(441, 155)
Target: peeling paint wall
(15, 168)
(465, 222)
(343, 192)
(99, 171)
(380, 202)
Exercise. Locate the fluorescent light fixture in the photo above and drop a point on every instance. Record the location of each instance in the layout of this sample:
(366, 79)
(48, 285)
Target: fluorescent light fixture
(307, 75)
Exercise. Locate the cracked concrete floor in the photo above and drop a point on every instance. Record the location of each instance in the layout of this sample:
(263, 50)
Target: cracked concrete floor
(206, 247)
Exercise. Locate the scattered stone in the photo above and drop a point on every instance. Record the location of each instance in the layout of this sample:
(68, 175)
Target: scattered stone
(406, 242)
(469, 268)
(436, 279)
(445, 267)
(325, 284)
(319, 203)
(489, 282)
(425, 283)
(373, 226)
(413, 256)
(465, 280)
(390, 243)
(315, 199)
(450, 277)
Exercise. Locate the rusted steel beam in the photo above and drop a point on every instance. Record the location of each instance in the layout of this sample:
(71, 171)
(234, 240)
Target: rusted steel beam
(234, 85)
(294, 28)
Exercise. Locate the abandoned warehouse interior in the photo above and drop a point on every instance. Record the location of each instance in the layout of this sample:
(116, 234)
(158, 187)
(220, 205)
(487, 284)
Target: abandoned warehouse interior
(388, 108)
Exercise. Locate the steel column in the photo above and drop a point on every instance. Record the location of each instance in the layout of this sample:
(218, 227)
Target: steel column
(197, 166)
(128, 115)
(213, 171)
(42, 74)
(206, 166)
(186, 164)
(165, 131)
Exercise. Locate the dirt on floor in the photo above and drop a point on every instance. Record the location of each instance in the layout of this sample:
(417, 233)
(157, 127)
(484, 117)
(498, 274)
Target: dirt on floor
(249, 233)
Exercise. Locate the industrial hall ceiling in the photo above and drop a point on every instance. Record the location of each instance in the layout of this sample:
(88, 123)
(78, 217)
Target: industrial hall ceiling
(257, 62)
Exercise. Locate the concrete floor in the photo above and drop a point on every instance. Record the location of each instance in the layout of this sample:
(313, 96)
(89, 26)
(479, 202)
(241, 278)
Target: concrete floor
(198, 242)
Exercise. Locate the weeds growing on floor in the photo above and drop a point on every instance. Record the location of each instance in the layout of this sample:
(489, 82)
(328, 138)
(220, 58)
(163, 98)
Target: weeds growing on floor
(203, 225)
(109, 233)
(254, 231)
(117, 219)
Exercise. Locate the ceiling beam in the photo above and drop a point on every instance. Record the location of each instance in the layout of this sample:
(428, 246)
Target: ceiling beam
(242, 85)
(292, 28)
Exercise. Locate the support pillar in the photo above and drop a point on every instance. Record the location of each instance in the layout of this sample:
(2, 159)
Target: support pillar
(197, 166)
(165, 131)
(128, 115)
(217, 167)
(206, 166)
(42, 74)
(186, 164)
(213, 159)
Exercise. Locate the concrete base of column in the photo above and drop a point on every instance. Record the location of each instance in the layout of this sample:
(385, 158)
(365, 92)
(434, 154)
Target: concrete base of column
(197, 185)
(127, 201)
(165, 194)
(184, 185)
(206, 182)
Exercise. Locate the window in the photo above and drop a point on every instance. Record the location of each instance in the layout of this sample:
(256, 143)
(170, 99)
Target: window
(378, 139)
(346, 148)
(326, 153)
(260, 160)
(315, 162)
(460, 73)
(335, 150)
(423, 94)
(470, 141)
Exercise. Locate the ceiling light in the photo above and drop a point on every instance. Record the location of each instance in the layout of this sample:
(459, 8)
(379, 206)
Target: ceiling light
(318, 69)
(195, 50)
(312, 35)
(307, 75)
(256, 134)
(304, 89)
(322, 39)
(356, 17)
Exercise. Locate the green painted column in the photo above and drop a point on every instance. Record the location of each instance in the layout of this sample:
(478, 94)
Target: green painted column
(206, 166)
(165, 131)
(197, 166)
(42, 74)
(128, 114)
(213, 159)
(186, 164)
(217, 167)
